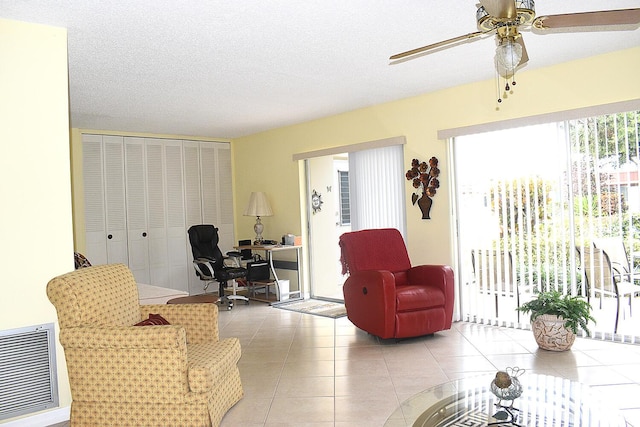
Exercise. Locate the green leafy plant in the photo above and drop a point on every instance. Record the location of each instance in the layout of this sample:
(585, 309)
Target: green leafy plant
(575, 310)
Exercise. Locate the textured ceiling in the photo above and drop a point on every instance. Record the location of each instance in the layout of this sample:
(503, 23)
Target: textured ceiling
(224, 68)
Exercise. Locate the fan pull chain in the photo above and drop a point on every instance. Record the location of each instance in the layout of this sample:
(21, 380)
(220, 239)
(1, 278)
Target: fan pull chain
(497, 81)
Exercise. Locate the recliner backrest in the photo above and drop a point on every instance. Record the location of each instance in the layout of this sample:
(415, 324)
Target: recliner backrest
(374, 249)
(204, 244)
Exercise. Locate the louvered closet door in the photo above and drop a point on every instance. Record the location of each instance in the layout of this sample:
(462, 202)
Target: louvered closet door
(137, 209)
(225, 194)
(156, 213)
(193, 203)
(104, 195)
(217, 207)
(179, 264)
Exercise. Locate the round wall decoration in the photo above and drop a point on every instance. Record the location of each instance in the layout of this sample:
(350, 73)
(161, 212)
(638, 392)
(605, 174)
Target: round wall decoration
(316, 201)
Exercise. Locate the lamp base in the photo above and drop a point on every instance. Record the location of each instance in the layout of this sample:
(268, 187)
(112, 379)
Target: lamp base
(258, 228)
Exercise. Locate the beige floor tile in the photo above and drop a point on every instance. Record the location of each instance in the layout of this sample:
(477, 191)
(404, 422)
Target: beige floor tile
(359, 352)
(597, 375)
(261, 369)
(369, 412)
(312, 353)
(308, 368)
(301, 409)
(259, 386)
(374, 385)
(361, 367)
(306, 387)
(407, 386)
(465, 364)
(247, 410)
(500, 347)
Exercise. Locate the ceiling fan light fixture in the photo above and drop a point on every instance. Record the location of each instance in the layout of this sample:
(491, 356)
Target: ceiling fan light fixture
(508, 56)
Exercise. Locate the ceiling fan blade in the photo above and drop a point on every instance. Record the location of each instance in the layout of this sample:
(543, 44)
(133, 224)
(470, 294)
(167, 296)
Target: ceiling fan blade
(437, 45)
(525, 56)
(500, 8)
(605, 20)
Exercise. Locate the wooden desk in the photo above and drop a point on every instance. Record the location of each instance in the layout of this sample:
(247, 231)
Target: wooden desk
(269, 250)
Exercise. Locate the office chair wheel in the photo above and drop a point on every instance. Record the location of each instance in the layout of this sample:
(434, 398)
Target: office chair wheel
(230, 306)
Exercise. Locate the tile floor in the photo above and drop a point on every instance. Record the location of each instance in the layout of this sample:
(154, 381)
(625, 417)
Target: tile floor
(305, 370)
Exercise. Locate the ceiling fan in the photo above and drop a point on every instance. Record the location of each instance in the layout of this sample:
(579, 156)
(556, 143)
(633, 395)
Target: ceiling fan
(507, 18)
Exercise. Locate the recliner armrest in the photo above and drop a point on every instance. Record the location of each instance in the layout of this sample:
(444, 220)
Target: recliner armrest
(430, 275)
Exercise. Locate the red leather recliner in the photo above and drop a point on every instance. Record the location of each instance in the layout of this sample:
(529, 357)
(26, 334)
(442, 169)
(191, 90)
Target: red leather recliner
(387, 297)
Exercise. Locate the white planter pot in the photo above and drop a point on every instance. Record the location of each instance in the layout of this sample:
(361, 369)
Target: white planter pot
(550, 333)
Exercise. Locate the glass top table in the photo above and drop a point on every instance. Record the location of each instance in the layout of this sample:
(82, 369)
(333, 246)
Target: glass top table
(545, 401)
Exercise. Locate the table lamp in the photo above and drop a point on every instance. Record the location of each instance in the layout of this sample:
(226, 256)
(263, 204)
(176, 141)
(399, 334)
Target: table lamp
(258, 206)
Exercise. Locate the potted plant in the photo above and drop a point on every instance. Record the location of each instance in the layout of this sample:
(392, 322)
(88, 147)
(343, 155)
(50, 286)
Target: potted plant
(555, 319)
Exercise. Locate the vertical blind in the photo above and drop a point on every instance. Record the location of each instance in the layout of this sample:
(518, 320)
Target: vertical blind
(545, 208)
(376, 180)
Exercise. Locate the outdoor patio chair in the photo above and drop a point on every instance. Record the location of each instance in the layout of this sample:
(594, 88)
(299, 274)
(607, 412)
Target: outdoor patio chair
(617, 252)
(601, 279)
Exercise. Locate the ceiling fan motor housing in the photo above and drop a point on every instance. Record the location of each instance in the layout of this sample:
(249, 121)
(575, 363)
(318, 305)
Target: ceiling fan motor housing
(525, 14)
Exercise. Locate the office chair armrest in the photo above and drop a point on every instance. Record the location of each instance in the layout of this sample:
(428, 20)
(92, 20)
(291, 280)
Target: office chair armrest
(200, 321)
(198, 263)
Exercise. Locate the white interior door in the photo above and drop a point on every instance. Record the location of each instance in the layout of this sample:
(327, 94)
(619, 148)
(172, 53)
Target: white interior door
(325, 227)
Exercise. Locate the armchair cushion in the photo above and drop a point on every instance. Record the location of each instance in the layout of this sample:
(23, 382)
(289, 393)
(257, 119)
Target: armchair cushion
(411, 297)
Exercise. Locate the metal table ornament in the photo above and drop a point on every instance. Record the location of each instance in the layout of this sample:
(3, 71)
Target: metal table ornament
(506, 385)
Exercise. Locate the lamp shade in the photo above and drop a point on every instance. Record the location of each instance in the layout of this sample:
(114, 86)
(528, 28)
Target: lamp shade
(258, 205)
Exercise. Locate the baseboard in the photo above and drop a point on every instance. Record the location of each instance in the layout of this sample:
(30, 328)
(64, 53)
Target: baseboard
(47, 418)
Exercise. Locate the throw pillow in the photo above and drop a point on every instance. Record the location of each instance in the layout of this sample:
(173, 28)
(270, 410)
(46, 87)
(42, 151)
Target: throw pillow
(154, 319)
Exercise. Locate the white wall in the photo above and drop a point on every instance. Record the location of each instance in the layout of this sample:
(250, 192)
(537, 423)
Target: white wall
(36, 240)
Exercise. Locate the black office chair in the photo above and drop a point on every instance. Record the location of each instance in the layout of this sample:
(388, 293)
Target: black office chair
(209, 262)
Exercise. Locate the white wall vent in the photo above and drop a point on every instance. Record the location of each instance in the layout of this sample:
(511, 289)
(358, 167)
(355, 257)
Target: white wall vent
(28, 380)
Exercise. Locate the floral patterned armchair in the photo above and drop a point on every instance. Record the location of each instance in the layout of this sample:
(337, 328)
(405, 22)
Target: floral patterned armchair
(121, 374)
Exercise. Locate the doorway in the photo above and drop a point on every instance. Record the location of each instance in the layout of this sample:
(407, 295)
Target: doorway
(355, 190)
(328, 219)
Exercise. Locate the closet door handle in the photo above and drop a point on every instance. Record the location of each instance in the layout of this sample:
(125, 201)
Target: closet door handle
(144, 234)
(110, 236)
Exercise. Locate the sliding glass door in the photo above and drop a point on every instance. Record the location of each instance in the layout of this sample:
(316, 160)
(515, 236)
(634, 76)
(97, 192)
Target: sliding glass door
(535, 205)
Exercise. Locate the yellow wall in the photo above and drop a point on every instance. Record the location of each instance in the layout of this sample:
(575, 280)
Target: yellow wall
(594, 81)
(35, 190)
